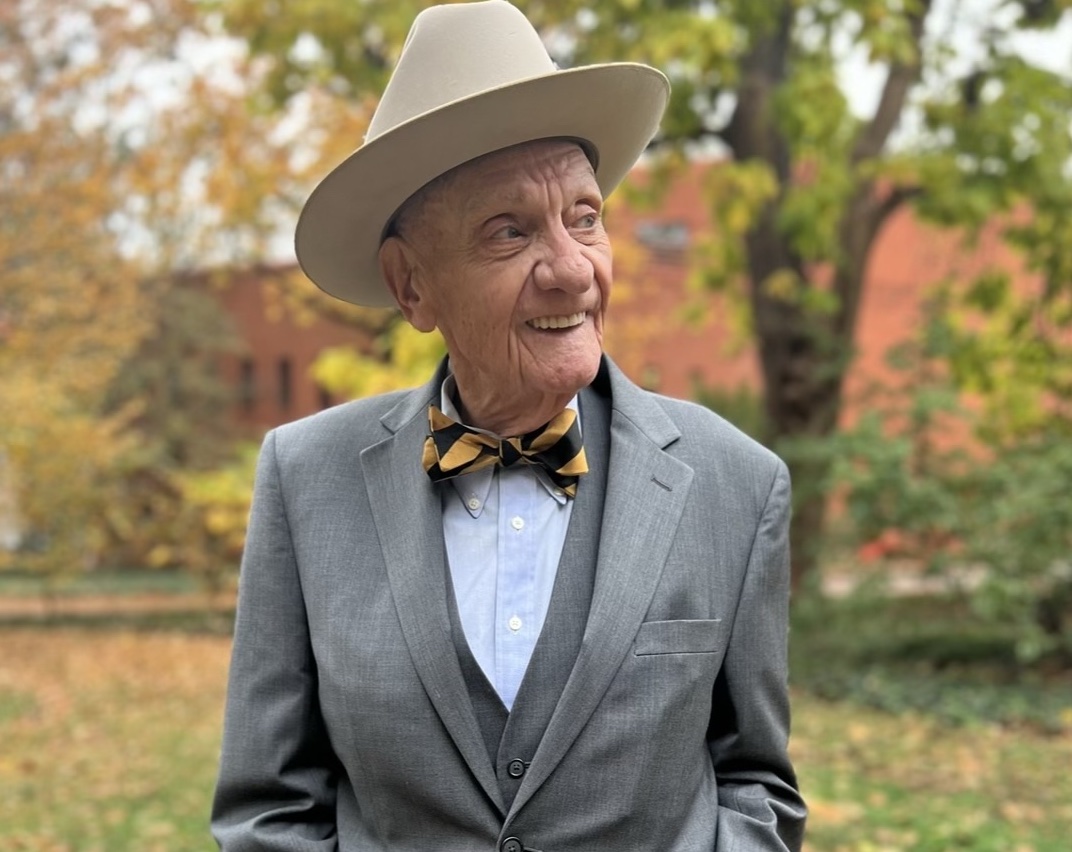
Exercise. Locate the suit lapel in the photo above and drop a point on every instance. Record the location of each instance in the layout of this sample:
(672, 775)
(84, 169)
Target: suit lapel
(646, 494)
(407, 512)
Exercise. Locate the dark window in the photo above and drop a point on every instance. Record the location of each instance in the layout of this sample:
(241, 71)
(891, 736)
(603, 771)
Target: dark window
(286, 390)
(247, 383)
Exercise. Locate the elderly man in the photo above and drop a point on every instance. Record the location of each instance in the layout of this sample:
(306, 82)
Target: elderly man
(458, 627)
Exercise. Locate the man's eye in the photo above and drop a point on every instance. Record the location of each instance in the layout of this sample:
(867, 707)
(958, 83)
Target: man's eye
(589, 221)
(507, 232)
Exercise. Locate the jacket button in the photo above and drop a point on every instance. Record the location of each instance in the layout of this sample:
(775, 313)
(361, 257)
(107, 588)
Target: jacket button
(515, 768)
(511, 844)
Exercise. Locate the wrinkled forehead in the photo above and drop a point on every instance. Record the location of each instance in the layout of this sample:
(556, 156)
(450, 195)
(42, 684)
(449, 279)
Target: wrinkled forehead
(498, 165)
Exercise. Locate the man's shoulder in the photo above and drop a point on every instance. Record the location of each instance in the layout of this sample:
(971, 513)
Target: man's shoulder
(705, 434)
(356, 424)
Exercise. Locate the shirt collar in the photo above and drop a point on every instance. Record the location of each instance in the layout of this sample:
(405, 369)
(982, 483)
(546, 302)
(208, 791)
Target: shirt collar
(472, 488)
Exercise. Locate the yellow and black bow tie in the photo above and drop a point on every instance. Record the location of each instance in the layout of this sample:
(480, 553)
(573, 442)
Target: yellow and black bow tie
(453, 449)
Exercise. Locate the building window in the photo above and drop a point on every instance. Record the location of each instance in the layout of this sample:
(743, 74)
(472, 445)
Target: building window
(286, 389)
(666, 240)
(247, 383)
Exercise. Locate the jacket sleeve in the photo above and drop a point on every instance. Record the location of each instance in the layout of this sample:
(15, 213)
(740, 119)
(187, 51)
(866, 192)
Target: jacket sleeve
(759, 803)
(278, 774)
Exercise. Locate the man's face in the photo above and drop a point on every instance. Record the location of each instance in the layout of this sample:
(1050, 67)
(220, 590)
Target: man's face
(508, 257)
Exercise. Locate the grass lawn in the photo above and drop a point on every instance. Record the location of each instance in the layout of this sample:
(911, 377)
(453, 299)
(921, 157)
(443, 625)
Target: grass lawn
(110, 738)
(116, 583)
(878, 782)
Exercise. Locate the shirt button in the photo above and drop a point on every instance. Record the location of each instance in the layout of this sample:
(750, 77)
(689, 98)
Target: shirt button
(511, 844)
(515, 768)
(514, 623)
(517, 523)
(473, 503)
(558, 492)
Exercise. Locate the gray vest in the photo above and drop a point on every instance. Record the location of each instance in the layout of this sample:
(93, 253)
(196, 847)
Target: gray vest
(511, 738)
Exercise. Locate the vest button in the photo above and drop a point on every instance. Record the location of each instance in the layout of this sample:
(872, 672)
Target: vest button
(511, 844)
(515, 768)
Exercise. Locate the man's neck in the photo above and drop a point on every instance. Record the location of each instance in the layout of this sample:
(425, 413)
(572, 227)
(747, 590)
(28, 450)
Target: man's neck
(502, 420)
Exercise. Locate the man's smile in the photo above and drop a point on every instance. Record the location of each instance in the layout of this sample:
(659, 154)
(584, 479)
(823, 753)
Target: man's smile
(565, 321)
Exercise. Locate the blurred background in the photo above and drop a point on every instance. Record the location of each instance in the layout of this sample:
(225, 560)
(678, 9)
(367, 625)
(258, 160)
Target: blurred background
(853, 239)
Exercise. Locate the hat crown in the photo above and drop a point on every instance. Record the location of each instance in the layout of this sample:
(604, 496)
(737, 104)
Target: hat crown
(456, 51)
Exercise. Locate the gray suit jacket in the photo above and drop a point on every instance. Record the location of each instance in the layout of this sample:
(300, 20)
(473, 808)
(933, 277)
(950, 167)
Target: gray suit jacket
(349, 725)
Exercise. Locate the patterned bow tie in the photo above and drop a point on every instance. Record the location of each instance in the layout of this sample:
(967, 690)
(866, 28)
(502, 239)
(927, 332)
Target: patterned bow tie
(453, 449)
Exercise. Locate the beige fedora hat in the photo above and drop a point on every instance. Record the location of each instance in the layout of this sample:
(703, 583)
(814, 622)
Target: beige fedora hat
(472, 78)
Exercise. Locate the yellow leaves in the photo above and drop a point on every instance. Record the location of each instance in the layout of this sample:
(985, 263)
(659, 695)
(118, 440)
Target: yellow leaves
(738, 192)
(121, 163)
(785, 285)
(211, 530)
(411, 357)
(782, 285)
(160, 556)
(58, 453)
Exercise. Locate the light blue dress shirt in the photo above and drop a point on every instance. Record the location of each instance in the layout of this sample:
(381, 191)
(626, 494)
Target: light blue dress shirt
(504, 531)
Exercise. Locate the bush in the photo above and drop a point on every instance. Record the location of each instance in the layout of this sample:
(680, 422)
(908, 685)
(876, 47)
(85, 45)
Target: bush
(941, 473)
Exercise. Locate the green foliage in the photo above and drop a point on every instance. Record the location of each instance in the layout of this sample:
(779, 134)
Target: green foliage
(975, 485)
(172, 382)
(745, 189)
(111, 583)
(935, 654)
(182, 425)
(346, 48)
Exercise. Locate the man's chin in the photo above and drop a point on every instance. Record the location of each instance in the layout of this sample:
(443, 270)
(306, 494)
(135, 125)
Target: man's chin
(572, 376)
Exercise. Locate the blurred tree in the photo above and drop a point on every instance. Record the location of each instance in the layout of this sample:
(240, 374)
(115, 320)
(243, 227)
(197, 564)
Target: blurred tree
(964, 126)
(179, 420)
(70, 304)
(127, 154)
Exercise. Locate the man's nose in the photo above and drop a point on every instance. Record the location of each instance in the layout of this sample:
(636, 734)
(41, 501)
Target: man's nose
(565, 266)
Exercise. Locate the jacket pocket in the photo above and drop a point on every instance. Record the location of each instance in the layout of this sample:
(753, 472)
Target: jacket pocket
(687, 636)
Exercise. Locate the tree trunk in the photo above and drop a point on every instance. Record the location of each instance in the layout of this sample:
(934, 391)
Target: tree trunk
(805, 353)
(803, 363)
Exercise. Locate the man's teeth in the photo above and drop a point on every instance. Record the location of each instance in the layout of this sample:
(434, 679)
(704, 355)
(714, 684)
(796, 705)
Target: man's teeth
(558, 322)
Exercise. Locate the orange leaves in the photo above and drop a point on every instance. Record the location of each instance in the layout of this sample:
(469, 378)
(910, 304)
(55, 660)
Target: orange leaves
(111, 739)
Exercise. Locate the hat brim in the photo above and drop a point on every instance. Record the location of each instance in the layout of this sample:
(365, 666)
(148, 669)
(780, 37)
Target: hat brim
(616, 108)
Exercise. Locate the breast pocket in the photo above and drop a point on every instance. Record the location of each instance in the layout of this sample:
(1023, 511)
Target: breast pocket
(687, 636)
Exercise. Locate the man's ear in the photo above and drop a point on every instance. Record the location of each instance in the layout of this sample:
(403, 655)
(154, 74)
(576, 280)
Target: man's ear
(403, 275)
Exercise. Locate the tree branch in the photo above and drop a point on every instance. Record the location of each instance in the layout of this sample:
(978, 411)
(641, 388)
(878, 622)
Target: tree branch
(902, 76)
(886, 207)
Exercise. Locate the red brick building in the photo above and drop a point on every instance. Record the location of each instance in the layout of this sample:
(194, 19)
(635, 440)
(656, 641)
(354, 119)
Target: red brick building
(648, 334)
